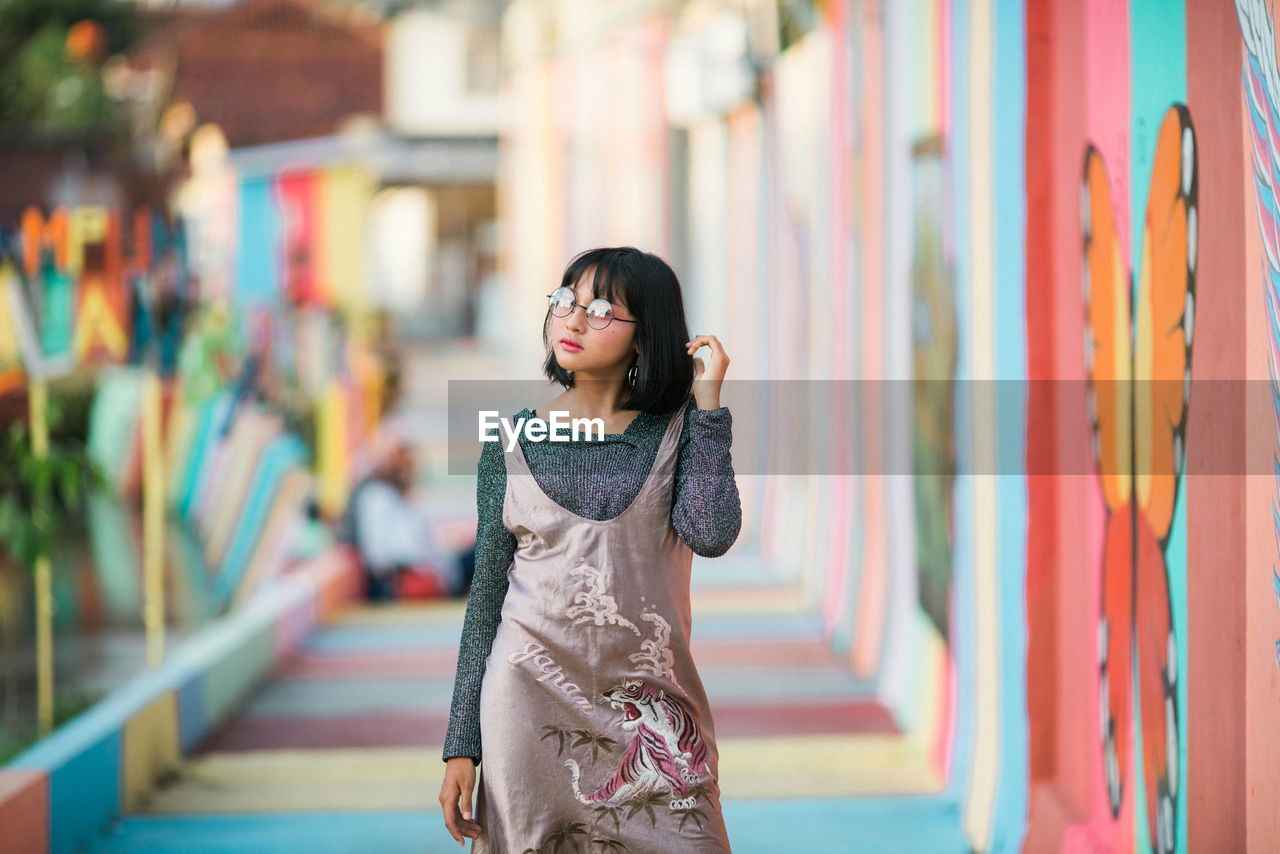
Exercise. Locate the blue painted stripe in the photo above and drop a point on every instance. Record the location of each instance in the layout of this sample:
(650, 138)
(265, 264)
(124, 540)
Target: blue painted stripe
(1008, 136)
(872, 825)
(85, 794)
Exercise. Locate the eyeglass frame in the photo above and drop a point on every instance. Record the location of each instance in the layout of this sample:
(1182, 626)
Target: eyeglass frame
(573, 305)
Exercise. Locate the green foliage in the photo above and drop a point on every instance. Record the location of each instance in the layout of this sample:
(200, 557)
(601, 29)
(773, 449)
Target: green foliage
(44, 92)
(15, 739)
(211, 353)
(796, 18)
(36, 493)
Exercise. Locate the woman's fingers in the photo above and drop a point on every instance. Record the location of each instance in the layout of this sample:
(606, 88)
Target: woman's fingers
(449, 804)
(466, 802)
(710, 340)
(713, 370)
(459, 826)
(698, 341)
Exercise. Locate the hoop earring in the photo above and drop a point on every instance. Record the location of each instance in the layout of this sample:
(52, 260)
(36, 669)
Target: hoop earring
(634, 373)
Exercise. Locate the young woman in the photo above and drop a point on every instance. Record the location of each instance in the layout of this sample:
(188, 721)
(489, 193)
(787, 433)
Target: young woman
(575, 680)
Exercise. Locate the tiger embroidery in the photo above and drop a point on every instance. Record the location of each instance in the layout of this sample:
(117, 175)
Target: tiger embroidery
(666, 750)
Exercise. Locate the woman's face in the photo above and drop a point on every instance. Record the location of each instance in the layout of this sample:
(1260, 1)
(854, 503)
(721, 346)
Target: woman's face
(604, 352)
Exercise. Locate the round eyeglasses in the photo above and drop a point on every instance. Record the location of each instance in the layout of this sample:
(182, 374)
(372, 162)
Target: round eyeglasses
(599, 312)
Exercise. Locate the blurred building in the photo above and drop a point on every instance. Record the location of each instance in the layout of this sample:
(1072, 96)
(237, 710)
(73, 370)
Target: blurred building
(362, 130)
(639, 123)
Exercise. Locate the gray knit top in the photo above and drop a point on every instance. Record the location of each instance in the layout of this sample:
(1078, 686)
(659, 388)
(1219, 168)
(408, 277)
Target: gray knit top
(596, 478)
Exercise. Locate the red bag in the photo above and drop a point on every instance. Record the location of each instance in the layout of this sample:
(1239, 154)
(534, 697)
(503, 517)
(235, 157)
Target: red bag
(417, 584)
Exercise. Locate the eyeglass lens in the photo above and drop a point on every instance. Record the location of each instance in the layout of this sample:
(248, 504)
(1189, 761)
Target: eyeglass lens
(599, 312)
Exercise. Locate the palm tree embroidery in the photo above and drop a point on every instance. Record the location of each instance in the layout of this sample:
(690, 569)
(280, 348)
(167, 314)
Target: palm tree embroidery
(598, 740)
(610, 810)
(690, 813)
(646, 802)
(562, 835)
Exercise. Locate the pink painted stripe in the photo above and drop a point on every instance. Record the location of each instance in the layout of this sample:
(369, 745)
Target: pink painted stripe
(946, 716)
(248, 732)
(765, 652)
(371, 664)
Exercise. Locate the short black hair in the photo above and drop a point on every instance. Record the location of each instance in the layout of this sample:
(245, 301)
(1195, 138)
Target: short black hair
(648, 287)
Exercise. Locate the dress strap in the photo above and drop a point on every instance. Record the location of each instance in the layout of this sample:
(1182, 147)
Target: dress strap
(516, 462)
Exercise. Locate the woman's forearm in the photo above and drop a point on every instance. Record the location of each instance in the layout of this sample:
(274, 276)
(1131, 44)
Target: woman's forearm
(707, 513)
(495, 547)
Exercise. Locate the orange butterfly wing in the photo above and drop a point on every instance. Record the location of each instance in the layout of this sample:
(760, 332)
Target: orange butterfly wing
(1165, 315)
(1162, 359)
(1108, 362)
(1108, 354)
(1138, 362)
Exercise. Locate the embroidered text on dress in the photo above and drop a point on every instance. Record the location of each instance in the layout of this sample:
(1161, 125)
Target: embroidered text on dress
(550, 672)
(596, 604)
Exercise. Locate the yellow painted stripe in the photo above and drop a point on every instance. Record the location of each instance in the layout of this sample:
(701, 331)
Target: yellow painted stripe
(823, 766)
(789, 599)
(285, 780)
(150, 748)
(405, 613)
(409, 778)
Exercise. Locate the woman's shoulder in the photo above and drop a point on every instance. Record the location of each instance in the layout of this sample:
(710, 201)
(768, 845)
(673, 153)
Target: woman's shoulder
(491, 456)
(653, 425)
(494, 449)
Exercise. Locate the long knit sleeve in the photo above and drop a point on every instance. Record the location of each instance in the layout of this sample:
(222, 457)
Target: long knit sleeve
(707, 513)
(597, 479)
(495, 547)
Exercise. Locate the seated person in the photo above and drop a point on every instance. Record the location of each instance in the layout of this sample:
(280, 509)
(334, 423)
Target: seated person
(393, 535)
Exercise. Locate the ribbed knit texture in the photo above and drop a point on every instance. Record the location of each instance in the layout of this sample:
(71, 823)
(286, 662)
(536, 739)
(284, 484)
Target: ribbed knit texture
(598, 479)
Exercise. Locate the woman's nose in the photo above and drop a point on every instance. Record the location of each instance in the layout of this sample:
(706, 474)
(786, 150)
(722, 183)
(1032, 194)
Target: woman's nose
(573, 321)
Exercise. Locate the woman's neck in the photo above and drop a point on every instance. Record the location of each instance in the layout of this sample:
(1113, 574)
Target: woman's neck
(596, 405)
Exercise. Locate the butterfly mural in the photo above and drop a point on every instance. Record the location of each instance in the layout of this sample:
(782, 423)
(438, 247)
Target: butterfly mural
(1261, 80)
(1138, 360)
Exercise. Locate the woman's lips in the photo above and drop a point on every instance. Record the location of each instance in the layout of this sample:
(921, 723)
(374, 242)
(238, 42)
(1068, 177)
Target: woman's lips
(569, 345)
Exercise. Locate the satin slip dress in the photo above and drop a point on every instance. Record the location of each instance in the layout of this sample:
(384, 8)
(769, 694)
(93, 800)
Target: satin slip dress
(596, 734)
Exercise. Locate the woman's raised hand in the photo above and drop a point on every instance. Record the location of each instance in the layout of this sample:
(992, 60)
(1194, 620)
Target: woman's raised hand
(459, 783)
(708, 377)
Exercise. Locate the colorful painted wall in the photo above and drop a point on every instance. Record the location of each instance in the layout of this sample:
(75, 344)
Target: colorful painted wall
(1055, 222)
(269, 268)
